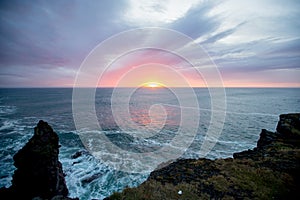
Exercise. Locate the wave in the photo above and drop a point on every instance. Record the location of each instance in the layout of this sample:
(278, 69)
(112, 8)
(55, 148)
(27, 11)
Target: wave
(8, 125)
(5, 110)
(89, 178)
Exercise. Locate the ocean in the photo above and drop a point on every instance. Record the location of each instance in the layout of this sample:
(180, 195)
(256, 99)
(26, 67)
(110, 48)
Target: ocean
(248, 110)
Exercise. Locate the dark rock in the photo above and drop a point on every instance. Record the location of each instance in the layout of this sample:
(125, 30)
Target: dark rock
(91, 178)
(76, 162)
(177, 171)
(61, 197)
(266, 137)
(289, 126)
(39, 172)
(76, 155)
(246, 154)
(58, 197)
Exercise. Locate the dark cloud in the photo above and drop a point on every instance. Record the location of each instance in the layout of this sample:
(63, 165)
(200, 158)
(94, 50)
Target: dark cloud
(196, 22)
(222, 34)
(60, 33)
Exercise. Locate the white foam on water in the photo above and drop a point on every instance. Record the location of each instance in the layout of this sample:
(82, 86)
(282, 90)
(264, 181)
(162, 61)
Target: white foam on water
(15, 126)
(89, 178)
(5, 110)
(8, 125)
(14, 135)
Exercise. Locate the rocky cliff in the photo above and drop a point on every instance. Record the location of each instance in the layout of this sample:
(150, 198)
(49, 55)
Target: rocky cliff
(39, 173)
(269, 171)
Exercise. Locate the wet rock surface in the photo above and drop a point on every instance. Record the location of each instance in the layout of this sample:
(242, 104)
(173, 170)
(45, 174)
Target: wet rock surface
(269, 171)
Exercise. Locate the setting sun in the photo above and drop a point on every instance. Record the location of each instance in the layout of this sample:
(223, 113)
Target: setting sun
(152, 85)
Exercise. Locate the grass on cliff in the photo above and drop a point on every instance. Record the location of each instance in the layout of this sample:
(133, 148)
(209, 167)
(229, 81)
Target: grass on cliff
(245, 178)
(237, 179)
(154, 190)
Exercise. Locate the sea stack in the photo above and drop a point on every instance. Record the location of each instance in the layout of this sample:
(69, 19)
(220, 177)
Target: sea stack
(39, 172)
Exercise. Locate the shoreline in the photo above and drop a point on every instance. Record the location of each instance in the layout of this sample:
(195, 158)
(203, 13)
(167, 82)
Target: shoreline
(270, 170)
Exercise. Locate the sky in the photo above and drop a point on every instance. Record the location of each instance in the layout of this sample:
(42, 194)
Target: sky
(253, 43)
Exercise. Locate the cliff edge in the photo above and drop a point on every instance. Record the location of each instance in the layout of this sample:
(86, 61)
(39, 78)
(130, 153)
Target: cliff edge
(269, 171)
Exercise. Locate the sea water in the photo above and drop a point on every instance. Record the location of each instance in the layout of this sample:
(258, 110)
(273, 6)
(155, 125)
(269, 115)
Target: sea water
(248, 110)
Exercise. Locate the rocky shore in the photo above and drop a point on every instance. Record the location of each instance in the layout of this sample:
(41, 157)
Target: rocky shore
(39, 174)
(269, 171)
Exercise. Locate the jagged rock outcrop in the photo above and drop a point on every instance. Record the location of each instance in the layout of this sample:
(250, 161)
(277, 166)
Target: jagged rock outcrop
(39, 173)
(269, 171)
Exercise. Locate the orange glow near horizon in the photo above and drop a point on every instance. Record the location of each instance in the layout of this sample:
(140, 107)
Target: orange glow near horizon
(151, 75)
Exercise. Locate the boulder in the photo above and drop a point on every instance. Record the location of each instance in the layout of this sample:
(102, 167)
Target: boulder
(289, 126)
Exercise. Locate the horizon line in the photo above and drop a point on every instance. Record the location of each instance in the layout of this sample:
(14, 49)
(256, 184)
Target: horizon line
(58, 87)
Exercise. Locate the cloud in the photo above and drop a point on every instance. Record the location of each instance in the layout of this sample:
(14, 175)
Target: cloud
(156, 12)
(54, 33)
(48, 38)
(264, 18)
(53, 38)
(196, 22)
